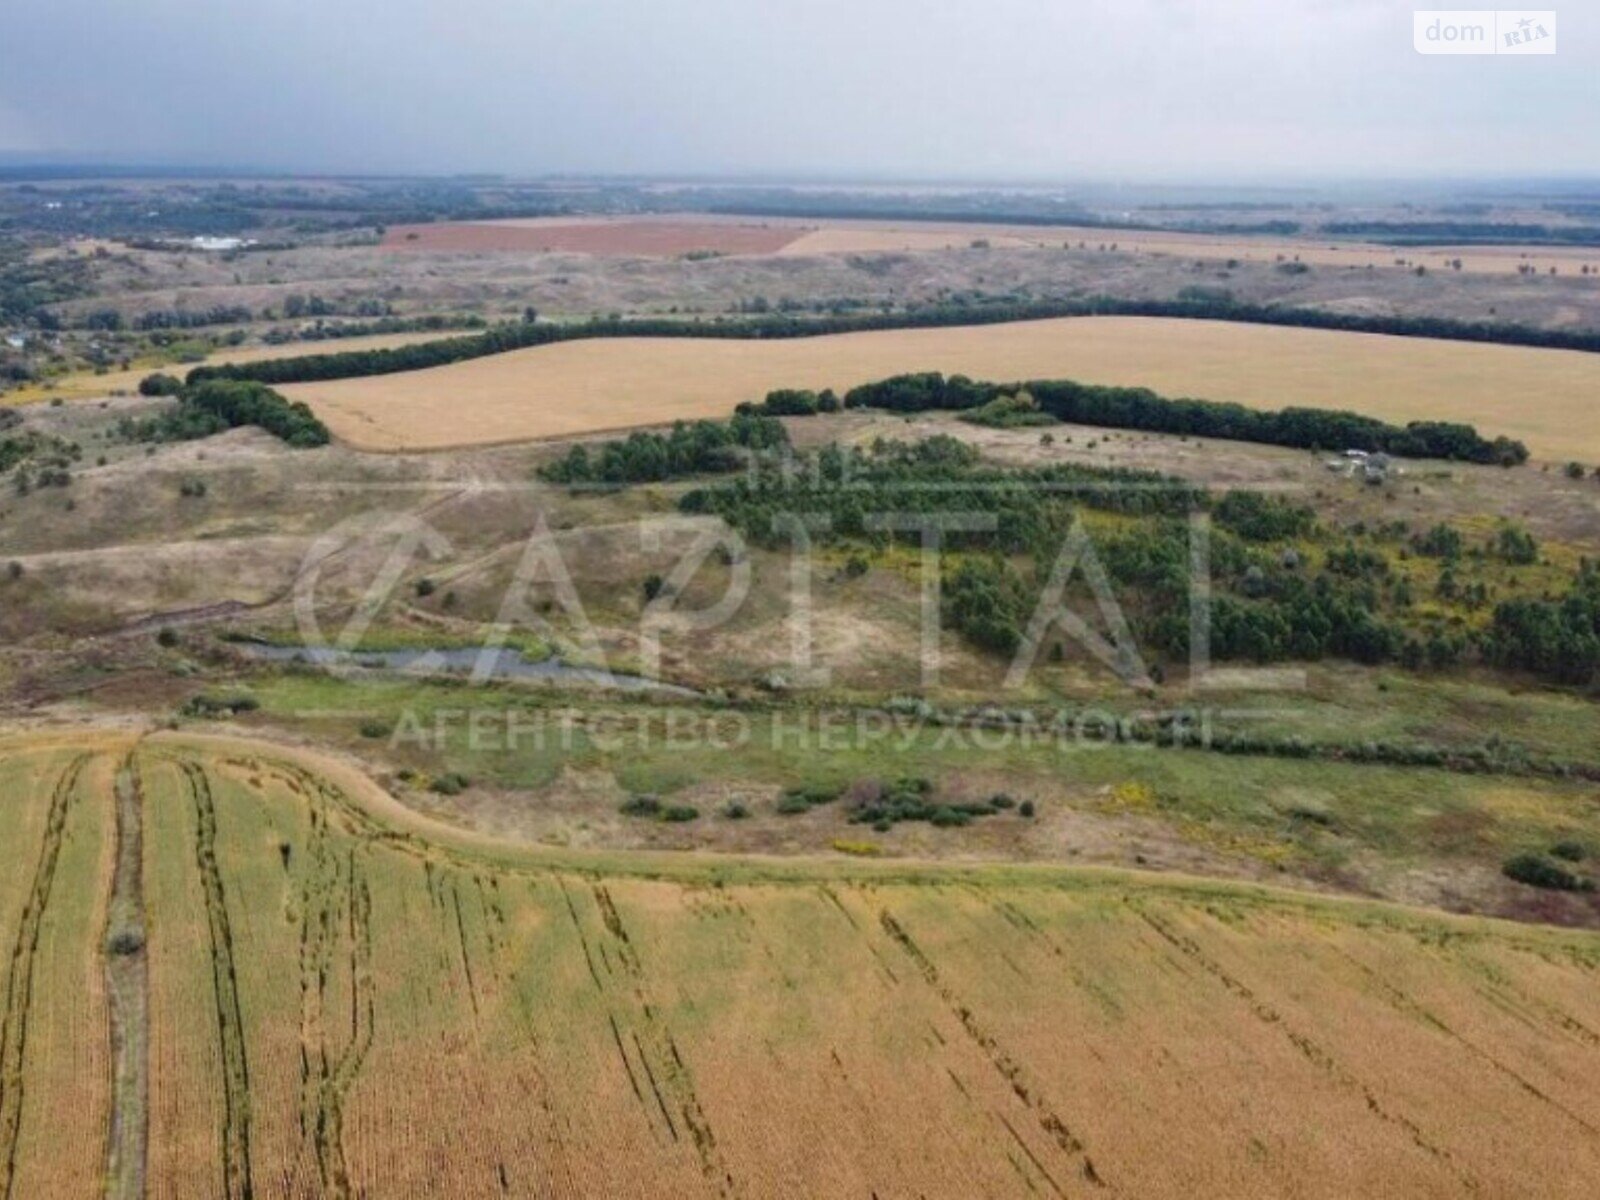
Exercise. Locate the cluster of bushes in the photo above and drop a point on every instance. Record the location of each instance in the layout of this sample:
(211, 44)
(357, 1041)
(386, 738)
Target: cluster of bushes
(1259, 517)
(160, 385)
(802, 798)
(1552, 871)
(911, 798)
(211, 407)
(1516, 545)
(40, 460)
(1140, 408)
(209, 705)
(450, 783)
(1439, 542)
(793, 402)
(520, 335)
(186, 318)
(651, 808)
(1558, 639)
(934, 476)
(1009, 412)
(697, 448)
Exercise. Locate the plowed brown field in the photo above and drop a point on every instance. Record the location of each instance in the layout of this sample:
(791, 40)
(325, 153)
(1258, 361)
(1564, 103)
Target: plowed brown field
(644, 239)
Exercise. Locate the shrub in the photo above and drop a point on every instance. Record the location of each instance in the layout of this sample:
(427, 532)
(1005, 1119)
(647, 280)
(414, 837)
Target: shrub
(735, 810)
(168, 637)
(160, 385)
(813, 794)
(425, 587)
(1009, 412)
(451, 783)
(859, 849)
(1025, 809)
(1570, 851)
(1516, 545)
(679, 813)
(640, 806)
(373, 728)
(207, 705)
(125, 943)
(1535, 870)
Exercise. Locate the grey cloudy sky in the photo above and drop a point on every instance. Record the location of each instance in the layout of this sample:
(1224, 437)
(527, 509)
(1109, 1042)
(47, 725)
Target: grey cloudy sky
(1046, 89)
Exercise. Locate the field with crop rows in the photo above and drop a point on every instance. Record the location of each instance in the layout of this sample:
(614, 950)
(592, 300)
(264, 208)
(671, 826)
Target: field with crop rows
(346, 999)
(574, 388)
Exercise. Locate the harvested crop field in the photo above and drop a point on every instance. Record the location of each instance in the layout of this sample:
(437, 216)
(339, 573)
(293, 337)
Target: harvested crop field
(640, 238)
(670, 236)
(347, 1000)
(869, 237)
(1544, 397)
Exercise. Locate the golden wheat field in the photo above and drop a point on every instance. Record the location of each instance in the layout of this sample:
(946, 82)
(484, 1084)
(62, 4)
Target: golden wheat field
(1545, 397)
(347, 1000)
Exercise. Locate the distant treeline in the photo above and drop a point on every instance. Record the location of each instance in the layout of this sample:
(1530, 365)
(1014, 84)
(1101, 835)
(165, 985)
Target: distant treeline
(1431, 233)
(524, 334)
(1140, 408)
(996, 216)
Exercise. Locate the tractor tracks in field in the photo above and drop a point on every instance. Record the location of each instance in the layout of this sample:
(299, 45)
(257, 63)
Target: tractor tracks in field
(1314, 1053)
(638, 1025)
(127, 972)
(335, 937)
(19, 977)
(238, 1184)
(334, 901)
(1070, 1144)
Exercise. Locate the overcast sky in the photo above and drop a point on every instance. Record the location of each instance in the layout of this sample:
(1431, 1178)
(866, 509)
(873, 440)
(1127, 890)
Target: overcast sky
(1008, 89)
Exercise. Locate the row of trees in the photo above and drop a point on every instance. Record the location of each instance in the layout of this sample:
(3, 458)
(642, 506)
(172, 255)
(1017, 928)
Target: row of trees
(700, 448)
(1140, 408)
(207, 408)
(523, 334)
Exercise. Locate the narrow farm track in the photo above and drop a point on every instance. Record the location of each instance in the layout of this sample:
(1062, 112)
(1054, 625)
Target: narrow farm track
(127, 972)
(335, 934)
(19, 976)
